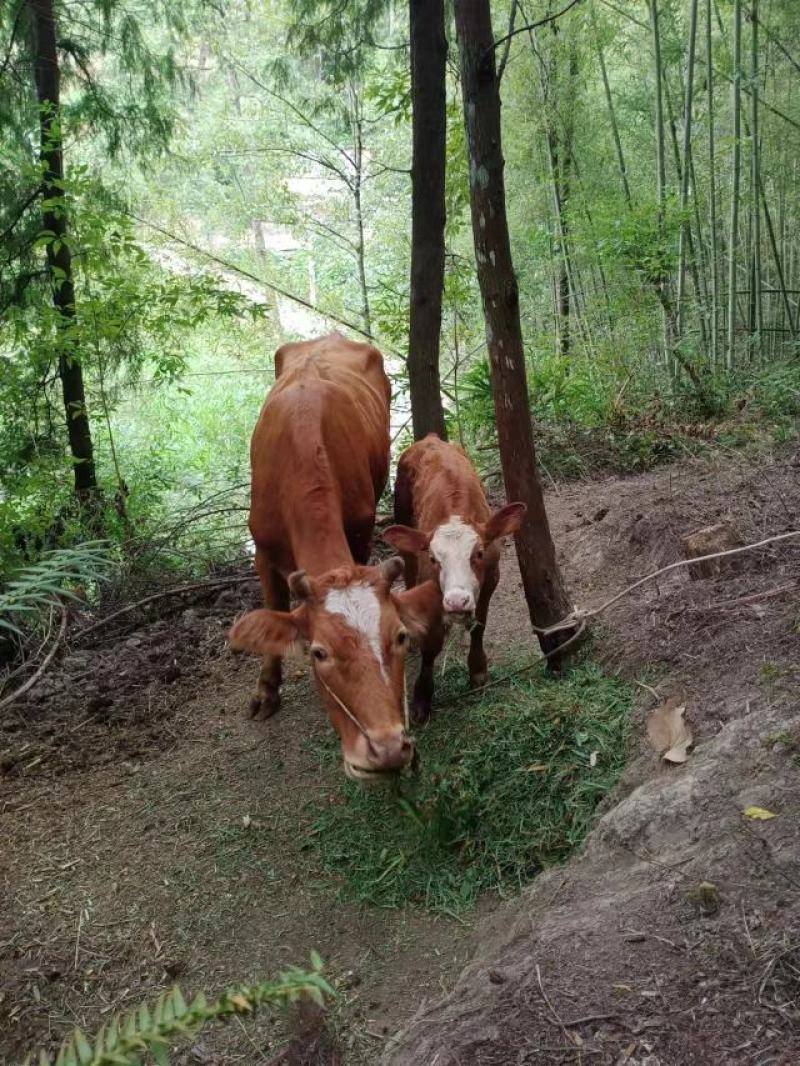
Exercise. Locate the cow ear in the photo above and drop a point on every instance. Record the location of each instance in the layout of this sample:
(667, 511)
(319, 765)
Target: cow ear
(504, 521)
(391, 569)
(405, 539)
(301, 586)
(419, 607)
(266, 632)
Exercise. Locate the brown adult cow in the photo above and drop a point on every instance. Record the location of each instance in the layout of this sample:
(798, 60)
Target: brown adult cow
(451, 535)
(320, 459)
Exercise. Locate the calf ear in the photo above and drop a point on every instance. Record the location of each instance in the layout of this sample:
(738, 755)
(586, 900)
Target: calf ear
(506, 520)
(266, 632)
(419, 607)
(405, 539)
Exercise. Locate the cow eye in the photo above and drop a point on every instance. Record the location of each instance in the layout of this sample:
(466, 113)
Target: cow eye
(319, 653)
(402, 638)
(479, 553)
(433, 558)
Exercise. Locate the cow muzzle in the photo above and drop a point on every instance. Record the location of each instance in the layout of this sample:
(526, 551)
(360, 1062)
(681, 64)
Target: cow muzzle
(459, 602)
(377, 758)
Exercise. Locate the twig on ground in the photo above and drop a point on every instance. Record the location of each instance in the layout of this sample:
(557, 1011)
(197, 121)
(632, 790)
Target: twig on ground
(579, 615)
(741, 601)
(195, 586)
(43, 666)
(556, 1018)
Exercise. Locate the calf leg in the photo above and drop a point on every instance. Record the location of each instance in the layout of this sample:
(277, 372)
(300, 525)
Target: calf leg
(266, 700)
(423, 690)
(477, 663)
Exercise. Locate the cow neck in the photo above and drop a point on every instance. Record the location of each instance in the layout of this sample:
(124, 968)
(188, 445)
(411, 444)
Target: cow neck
(322, 549)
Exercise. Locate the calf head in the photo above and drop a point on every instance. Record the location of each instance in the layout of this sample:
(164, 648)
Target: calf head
(459, 551)
(358, 632)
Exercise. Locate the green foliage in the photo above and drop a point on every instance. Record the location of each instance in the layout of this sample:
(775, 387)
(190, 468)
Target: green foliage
(510, 786)
(30, 592)
(153, 1030)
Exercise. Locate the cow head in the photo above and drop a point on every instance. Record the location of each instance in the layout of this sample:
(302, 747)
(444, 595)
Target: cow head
(458, 551)
(358, 632)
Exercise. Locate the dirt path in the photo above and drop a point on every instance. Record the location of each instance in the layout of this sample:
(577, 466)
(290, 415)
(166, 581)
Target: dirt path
(151, 832)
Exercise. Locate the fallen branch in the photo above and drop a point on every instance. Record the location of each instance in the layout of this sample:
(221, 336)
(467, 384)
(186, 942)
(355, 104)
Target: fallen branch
(580, 615)
(176, 591)
(742, 601)
(43, 666)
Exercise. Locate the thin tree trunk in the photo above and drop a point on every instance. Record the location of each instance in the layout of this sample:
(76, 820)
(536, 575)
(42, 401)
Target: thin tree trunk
(755, 178)
(47, 76)
(357, 186)
(661, 183)
(542, 582)
(776, 255)
(736, 179)
(685, 234)
(712, 191)
(689, 247)
(623, 172)
(429, 136)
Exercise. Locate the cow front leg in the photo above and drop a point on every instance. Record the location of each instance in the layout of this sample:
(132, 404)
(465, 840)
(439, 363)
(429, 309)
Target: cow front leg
(477, 663)
(430, 648)
(266, 699)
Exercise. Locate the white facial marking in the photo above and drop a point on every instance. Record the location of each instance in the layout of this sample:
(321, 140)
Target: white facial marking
(359, 606)
(451, 545)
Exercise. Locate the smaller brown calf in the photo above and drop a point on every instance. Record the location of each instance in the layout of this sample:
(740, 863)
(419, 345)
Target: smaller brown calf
(448, 534)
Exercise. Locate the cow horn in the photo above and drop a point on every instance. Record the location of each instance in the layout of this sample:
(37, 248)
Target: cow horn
(300, 586)
(391, 569)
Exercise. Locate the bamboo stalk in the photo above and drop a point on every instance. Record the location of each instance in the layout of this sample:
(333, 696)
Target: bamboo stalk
(736, 106)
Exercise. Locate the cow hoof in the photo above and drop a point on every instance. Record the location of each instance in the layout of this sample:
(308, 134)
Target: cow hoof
(479, 680)
(264, 705)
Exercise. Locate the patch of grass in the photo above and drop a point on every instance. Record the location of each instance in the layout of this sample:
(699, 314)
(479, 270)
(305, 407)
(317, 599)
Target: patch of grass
(508, 786)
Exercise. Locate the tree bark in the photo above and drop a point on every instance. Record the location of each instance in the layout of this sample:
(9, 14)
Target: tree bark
(755, 180)
(429, 136)
(661, 186)
(685, 234)
(544, 588)
(737, 169)
(712, 191)
(47, 77)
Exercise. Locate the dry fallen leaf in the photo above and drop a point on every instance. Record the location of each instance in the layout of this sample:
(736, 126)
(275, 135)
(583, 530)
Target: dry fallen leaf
(760, 814)
(536, 768)
(593, 758)
(668, 732)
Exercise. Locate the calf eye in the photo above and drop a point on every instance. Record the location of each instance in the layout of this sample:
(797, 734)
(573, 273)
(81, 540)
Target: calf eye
(402, 638)
(479, 553)
(319, 654)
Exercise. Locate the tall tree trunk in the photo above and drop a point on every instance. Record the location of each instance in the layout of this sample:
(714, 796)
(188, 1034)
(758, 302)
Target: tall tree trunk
(613, 118)
(661, 183)
(712, 191)
(429, 136)
(358, 207)
(544, 588)
(685, 234)
(755, 178)
(47, 76)
(736, 179)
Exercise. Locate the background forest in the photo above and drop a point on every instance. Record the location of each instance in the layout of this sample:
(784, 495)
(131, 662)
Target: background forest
(222, 176)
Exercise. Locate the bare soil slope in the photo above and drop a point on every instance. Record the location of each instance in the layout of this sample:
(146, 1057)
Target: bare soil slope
(151, 832)
(675, 937)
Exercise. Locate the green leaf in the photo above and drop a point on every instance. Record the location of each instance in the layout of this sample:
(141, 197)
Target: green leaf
(178, 1002)
(82, 1048)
